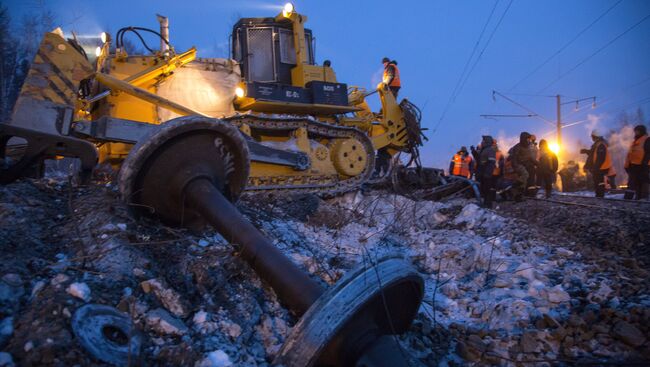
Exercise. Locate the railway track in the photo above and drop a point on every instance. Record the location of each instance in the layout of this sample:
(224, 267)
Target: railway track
(639, 206)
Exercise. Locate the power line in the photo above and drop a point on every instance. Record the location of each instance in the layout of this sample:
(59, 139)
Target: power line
(471, 56)
(538, 67)
(604, 101)
(452, 96)
(486, 45)
(637, 103)
(535, 114)
(595, 53)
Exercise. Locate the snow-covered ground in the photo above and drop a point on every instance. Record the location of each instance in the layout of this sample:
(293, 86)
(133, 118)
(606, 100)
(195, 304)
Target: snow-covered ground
(499, 289)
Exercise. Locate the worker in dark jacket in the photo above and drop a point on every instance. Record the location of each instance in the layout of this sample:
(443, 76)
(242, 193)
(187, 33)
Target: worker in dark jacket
(532, 171)
(546, 168)
(391, 76)
(485, 171)
(521, 158)
(637, 165)
(599, 161)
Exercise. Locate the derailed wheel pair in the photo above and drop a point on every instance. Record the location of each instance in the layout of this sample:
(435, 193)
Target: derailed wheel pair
(348, 321)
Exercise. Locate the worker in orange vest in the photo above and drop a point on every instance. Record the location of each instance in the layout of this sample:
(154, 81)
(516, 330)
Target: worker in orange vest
(461, 164)
(637, 165)
(499, 169)
(599, 161)
(391, 76)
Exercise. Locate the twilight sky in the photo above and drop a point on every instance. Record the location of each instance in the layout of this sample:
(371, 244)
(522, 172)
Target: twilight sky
(432, 42)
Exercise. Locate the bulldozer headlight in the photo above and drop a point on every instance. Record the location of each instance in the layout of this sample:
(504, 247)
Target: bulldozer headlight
(98, 51)
(287, 9)
(104, 37)
(240, 92)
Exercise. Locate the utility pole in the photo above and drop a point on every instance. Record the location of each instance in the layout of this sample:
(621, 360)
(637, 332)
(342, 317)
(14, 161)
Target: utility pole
(558, 121)
(559, 125)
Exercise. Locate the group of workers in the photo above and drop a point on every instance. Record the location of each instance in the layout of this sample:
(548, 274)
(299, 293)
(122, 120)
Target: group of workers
(637, 161)
(528, 166)
(599, 163)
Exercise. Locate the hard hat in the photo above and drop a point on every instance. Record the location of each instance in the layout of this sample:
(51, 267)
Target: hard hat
(463, 149)
(385, 59)
(596, 133)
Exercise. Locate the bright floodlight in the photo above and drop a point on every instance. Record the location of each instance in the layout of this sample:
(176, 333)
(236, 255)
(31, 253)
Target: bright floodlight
(554, 147)
(98, 51)
(239, 92)
(288, 9)
(104, 37)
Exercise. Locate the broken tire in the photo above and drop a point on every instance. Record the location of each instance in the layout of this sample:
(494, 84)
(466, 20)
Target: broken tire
(107, 334)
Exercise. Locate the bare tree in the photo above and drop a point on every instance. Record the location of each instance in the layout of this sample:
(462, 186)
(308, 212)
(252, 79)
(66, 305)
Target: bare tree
(17, 53)
(8, 64)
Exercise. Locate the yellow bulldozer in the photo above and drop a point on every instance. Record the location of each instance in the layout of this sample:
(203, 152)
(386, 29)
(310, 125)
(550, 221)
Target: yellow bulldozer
(305, 131)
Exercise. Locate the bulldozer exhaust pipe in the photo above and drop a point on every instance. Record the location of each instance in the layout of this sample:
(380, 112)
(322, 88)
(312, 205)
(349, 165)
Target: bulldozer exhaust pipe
(164, 31)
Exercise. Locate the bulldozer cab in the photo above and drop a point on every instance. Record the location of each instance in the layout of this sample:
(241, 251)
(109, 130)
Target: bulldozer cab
(265, 49)
(279, 72)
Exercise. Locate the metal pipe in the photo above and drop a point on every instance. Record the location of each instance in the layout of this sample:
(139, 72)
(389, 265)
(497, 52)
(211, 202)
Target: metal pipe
(164, 32)
(119, 85)
(293, 287)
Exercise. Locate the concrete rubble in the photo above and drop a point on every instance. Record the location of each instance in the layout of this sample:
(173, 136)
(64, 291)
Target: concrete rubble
(525, 282)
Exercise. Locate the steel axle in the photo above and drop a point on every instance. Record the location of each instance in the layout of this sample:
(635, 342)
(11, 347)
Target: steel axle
(187, 173)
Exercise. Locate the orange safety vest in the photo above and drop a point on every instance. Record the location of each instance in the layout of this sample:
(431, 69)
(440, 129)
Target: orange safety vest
(497, 168)
(461, 165)
(635, 154)
(608, 157)
(396, 82)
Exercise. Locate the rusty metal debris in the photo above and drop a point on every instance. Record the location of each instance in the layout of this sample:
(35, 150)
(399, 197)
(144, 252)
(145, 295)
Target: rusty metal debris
(188, 172)
(108, 334)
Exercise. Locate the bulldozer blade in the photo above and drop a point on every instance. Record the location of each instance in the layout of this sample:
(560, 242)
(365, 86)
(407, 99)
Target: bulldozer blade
(45, 108)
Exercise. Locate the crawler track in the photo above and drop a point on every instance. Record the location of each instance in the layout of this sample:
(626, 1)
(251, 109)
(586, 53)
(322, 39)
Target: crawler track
(327, 186)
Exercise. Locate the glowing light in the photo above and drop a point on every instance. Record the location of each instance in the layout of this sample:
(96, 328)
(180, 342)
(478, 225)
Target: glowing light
(287, 9)
(98, 51)
(239, 92)
(104, 37)
(554, 147)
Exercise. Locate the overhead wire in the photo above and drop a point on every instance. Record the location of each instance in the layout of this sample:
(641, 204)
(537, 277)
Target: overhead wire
(471, 56)
(595, 53)
(463, 78)
(486, 45)
(564, 47)
(537, 115)
(638, 103)
(605, 101)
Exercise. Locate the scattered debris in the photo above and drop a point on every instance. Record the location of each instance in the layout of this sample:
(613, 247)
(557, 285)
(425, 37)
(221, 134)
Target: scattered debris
(79, 290)
(167, 296)
(6, 360)
(6, 330)
(163, 323)
(532, 281)
(217, 358)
